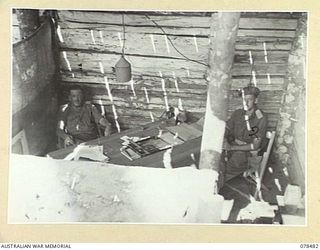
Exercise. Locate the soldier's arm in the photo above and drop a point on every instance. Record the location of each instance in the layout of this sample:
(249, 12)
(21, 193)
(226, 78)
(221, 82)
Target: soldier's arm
(229, 134)
(255, 145)
(101, 120)
(258, 137)
(61, 128)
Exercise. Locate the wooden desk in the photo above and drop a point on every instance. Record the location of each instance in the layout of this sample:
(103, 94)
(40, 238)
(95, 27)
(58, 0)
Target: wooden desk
(180, 156)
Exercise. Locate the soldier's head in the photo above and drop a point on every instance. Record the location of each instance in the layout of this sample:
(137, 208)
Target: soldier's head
(251, 96)
(76, 96)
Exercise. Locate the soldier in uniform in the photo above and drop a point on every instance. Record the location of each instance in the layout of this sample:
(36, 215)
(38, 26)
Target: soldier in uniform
(245, 135)
(78, 121)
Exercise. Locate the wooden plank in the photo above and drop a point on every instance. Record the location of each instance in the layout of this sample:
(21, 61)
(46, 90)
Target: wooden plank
(96, 80)
(270, 110)
(171, 31)
(242, 69)
(267, 23)
(151, 45)
(241, 56)
(133, 20)
(155, 100)
(276, 83)
(269, 14)
(140, 65)
(152, 66)
(258, 56)
(111, 28)
(266, 33)
(158, 45)
(256, 43)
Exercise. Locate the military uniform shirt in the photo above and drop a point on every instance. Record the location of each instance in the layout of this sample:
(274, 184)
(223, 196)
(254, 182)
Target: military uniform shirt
(237, 126)
(80, 122)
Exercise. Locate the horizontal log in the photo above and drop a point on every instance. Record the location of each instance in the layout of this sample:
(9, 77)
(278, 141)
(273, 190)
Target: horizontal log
(97, 80)
(110, 28)
(172, 21)
(267, 23)
(279, 15)
(241, 56)
(259, 57)
(266, 33)
(133, 20)
(243, 69)
(140, 65)
(154, 99)
(152, 66)
(159, 45)
(139, 44)
(256, 43)
(170, 31)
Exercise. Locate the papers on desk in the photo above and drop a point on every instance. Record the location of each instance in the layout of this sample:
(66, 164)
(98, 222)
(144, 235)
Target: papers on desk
(134, 148)
(91, 152)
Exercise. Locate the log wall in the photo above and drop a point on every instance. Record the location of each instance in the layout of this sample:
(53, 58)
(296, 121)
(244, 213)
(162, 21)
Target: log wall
(91, 46)
(290, 143)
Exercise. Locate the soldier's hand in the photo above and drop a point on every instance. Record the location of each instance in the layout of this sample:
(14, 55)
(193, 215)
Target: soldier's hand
(68, 141)
(107, 131)
(226, 145)
(239, 142)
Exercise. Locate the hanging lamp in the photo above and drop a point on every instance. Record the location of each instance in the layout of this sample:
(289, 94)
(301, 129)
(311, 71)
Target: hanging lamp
(123, 67)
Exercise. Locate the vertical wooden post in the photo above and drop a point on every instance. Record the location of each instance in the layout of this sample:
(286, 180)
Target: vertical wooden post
(28, 21)
(223, 35)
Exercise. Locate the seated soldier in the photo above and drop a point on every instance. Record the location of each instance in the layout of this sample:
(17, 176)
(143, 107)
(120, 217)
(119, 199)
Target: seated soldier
(78, 121)
(245, 135)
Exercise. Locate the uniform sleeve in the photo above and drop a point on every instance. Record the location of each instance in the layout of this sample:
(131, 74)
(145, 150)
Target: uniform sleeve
(96, 114)
(229, 133)
(62, 117)
(262, 126)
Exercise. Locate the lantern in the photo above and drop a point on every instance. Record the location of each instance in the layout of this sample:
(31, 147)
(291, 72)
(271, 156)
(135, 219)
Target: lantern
(123, 67)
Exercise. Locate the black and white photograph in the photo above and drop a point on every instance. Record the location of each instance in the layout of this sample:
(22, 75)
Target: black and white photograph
(158, 117)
